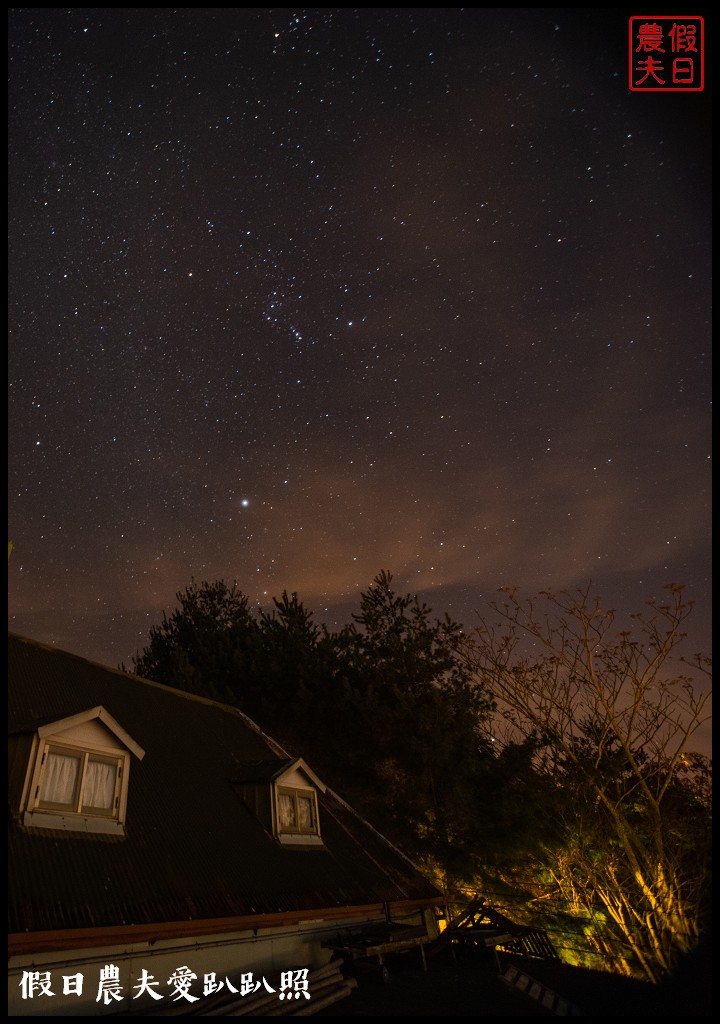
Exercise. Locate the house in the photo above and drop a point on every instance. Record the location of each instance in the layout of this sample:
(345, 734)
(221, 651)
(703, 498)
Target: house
(161, 845)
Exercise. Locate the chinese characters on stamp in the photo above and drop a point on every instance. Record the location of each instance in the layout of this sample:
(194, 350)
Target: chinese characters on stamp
(667, 54)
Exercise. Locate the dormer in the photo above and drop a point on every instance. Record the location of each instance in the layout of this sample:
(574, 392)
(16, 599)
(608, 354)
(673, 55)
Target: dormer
(78, 774)
(283, 795)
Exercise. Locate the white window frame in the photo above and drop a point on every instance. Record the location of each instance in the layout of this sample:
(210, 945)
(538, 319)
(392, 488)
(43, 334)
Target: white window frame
(67, 737)
(298, 782)
(295, 795)
(85, 756)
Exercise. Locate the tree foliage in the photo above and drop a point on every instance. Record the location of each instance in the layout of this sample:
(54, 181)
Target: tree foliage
(419, 723)
(614, 722)
(269, 663)
(207, 645)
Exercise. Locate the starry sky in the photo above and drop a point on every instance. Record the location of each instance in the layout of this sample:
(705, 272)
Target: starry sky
(297, 295)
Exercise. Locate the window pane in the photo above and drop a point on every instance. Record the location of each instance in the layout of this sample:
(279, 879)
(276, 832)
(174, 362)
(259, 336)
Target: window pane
(305, 814)
(62, 772)
(99, 787)
(287, 812)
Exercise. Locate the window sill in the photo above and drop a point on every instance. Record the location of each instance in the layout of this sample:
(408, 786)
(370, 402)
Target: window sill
(297, 839)
(73, 823)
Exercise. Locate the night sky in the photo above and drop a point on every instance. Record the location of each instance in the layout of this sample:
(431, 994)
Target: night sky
(297, 295)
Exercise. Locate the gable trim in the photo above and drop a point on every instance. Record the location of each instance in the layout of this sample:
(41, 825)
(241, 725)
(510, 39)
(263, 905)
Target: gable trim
(99, 712)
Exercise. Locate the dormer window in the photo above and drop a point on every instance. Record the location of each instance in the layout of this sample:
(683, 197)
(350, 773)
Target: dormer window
(79, 773)
(283, 795)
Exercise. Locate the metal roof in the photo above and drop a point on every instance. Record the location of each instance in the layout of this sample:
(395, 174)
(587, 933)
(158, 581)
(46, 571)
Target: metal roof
(193, 850)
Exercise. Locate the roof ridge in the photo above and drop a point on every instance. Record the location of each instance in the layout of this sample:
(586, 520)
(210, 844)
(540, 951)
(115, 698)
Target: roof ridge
(186, 694)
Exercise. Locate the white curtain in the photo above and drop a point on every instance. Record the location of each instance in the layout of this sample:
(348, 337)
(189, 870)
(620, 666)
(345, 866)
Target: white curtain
(287, 811)
(99, 784)
(305, 812)
(60, 780)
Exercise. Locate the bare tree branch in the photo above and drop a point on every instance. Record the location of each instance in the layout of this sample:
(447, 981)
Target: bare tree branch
(615, 721)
